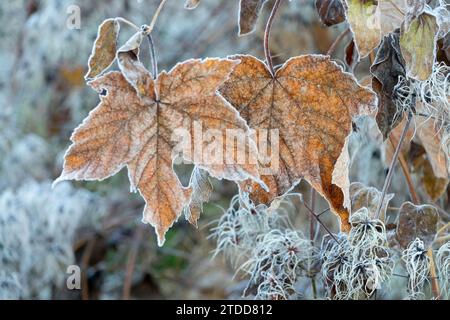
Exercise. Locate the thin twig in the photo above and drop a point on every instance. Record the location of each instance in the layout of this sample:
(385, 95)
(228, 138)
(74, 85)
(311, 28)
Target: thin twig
(155, 17)
(320, 221)
(336, 42)
(267, 36)
(404, 165)
(434, 283)
(387, 182)
(131, 262)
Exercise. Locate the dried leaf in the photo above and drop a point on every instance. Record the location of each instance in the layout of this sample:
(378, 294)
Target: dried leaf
(368, 197)
(433, 186)
(249, 11)
(387, 68)
(430, 138)
(311, 102)
(364, 19)
(392, 14)
(418, 46)
(389, 149)
(443, 20)
(191, 4)
(331, 12)
(201, 191)
(416, 222)
(105, 47)
(134, 126)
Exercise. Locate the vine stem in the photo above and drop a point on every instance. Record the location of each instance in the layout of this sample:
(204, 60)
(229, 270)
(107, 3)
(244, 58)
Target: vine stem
(404, 165)
(155, 17)
(336, 42)
(387, 182)
(434, 283)
(267, 36)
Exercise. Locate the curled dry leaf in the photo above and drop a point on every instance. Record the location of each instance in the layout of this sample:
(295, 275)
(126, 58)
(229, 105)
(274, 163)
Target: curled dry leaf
(135, 125)
(418, 46)
(364, 19)
(249, 11)
(310, 103)
(191, 4)
(416, 222)
(387, 69)
(331, 12)
(201, 191)
(105, 47)
(368, 197)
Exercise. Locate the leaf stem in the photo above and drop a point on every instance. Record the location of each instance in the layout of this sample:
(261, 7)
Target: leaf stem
(387, 182)
(336, 42)
(267, 36)
(153, 60)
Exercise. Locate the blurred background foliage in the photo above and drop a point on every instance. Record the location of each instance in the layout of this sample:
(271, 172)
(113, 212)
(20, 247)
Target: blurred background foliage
(97, 226)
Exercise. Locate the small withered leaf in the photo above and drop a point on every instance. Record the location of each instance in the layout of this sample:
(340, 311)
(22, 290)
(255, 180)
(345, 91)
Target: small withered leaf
(105, 47)
(363, 17)
(368, 197)
(191, 4)
(201, 192)
(249, 11)
(310, 101)
(416, 222)
(433, 186)
(135, 126)
(331, 12)
(418, 46)
(387, 69)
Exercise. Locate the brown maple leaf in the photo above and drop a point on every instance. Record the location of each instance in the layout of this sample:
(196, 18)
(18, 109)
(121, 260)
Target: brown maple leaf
(135, 123)
(311, 102)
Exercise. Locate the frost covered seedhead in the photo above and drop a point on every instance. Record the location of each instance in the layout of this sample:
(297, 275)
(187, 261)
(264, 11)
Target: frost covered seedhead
(367, 233)
(277, 261)
(443, 269)
(237, 230)
(417, 264)
(356, 264)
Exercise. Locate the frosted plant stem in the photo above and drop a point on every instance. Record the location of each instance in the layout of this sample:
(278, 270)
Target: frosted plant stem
(320, 221)
(267, 36)
(153, 59)
(406, 173)
(387, 182)
(434, 283)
